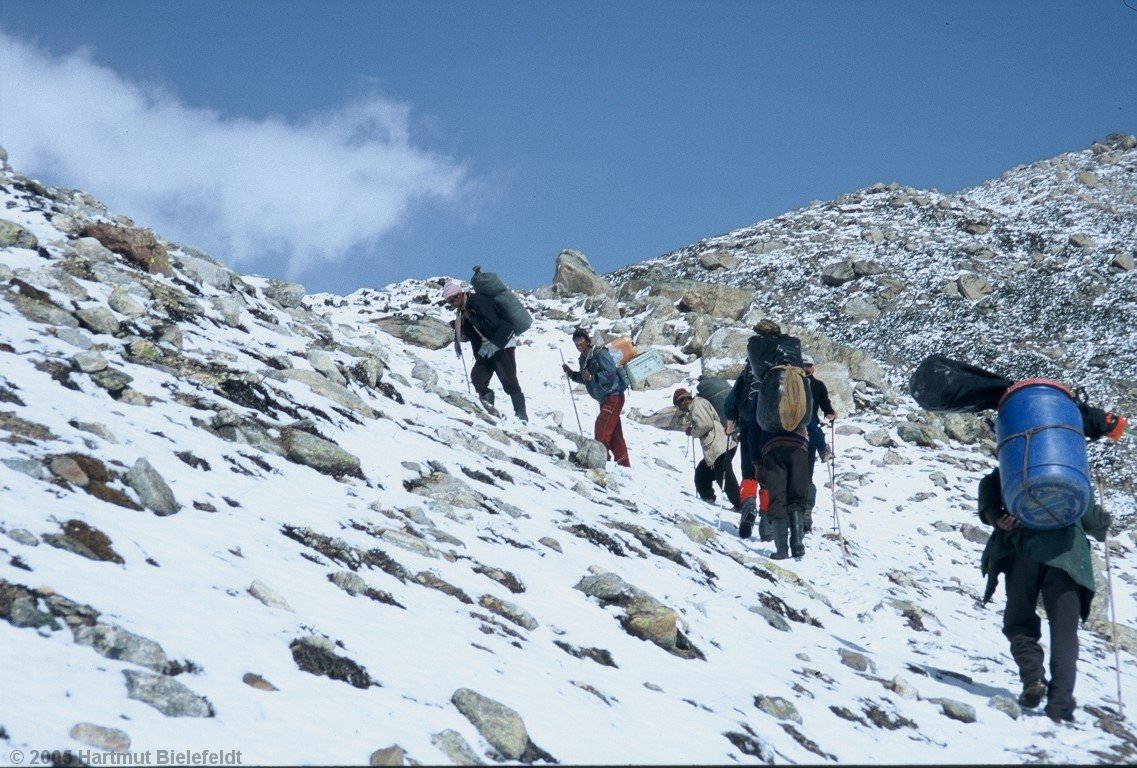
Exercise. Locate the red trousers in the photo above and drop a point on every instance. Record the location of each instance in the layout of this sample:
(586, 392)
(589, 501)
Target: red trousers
(608, 430)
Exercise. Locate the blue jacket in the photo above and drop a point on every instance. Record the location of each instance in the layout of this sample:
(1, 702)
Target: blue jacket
(605, 382)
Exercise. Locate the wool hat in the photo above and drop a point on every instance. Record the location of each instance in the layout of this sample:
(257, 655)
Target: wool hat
(680, 394)
(450, 290)
(807, 359)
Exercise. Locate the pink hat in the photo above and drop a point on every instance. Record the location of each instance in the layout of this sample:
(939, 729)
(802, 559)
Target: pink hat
(450, 290)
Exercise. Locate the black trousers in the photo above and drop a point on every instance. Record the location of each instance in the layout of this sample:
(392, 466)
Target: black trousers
(786, 470)
(1025, 579)
(721, 472)
(744, 452)
(504, 364)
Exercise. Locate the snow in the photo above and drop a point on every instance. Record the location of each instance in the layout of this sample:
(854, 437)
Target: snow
(193, 597)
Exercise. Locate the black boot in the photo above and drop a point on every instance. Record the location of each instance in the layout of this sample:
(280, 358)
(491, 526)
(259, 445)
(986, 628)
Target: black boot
(796, 526)
(487, 399)
(746, 523)
(781, 531)
(519, 406)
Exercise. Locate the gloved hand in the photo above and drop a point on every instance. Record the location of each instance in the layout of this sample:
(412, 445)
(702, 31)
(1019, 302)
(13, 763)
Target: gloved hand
(1116, 425)
(488, 349)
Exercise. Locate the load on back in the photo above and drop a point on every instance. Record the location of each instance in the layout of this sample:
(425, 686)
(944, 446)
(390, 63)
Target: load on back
(511, 308)
(784, 399)
(1040, 429)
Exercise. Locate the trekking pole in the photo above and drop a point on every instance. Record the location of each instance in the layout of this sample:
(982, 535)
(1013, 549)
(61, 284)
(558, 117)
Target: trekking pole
(458, 348)
(572, 396)
(833, 492)
(1112, 604)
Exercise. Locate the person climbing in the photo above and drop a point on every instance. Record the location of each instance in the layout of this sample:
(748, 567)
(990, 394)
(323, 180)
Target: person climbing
(782, 453)
(598, 375)
(737, 408)
(493, 342)
(1055, 563)
(702, 421)
(817, 445)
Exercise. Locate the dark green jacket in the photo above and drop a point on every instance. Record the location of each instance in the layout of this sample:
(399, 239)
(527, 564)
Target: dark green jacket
(1065, 548)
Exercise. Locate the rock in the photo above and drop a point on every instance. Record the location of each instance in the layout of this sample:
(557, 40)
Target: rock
(268, 596)
(165, 694)
(777, 707)
(152, 489)
(772, 617)
(724, 353)
(646, 617)
(1123, 261)
(902, 688)
(90, 249)
(973, 286)
(956, 710)
(123, 302)
(874, 236)
(326, 365)
(696, 532)
(324, 387)
(879, 438)
(1006, 705)
(715, 300)
(117, 643)
(867, 268)
(508, 610)
(66, 468)
(100, 737)
(138, 246)
(718, 260)
(442, 486)
(838, 274)
(1088, 178)
(98, 320)
(202, 269)
(1082, 240)
(367, 371)
(349, 582)
(256, 681)
(974, 533)
(861, 308)
(321, 455)
(317, 656)
(422, 331)
(455, 747)
(287, 294)
(916, 434)
(74, 337)
(425, 373)
(393, 755)
(89, 362)
(13, 235)
(85, 541)
(574, 275)
(498, 724)
(23, 536)
(965, 427)
(857, 661)
(551, 543)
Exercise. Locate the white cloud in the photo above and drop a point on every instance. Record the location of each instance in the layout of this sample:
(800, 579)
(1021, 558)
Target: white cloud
(303, 192)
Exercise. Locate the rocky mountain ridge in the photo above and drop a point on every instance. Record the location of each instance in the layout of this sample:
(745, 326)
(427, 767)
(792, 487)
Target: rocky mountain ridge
(238, 517)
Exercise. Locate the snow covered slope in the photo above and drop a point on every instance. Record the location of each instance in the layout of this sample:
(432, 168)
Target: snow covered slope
(237, 518)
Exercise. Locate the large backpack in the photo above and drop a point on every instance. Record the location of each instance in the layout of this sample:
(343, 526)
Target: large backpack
(785, 399)
(510, 307)
(715, 389)
(764, 352)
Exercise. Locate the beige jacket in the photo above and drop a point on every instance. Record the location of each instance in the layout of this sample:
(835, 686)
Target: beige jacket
(705, 425)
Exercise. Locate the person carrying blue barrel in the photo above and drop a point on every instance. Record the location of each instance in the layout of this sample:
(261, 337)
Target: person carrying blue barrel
(1041, 507)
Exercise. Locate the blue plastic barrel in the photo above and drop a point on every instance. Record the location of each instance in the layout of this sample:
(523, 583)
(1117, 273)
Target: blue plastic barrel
(1043, 466)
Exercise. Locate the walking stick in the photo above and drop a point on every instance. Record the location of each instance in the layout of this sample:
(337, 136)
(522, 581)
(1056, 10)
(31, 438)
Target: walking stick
(1112, 605)
(833, 491)
(572, 396)
(458, 347)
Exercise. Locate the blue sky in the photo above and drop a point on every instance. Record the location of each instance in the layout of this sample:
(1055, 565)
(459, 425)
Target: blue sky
(354, 144)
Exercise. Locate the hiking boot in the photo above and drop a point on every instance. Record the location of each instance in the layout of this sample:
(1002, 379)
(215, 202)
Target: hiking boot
(1065, 717)
(781, 531)
(519, 406)
(808, 521)
(1032, 694)
(796, 525)
(487, 403)
(746, 522)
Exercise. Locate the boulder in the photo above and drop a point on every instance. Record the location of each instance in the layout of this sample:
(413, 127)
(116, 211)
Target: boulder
(422, 331)
(117, 643)
(499, 725)
(268, 596)
(455, 747)
(715, 300)
(324, 387)
(861, 308)
(724, 352)
(718, 260)
(574, 275)
(138, 246)
(100, 737)
(286, 293)
(645, 617)
(152, 489)
(13, 235)
(838, 274)
(165, 694)
(973, 286)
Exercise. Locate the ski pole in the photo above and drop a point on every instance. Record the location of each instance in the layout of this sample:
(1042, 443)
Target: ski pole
(833, 492)
(572, 396)
(1112, 604)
